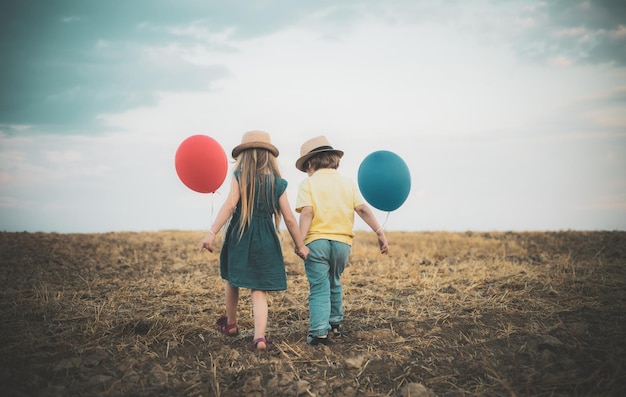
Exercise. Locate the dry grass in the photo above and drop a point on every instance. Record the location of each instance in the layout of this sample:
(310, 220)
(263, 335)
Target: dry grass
(464, 314)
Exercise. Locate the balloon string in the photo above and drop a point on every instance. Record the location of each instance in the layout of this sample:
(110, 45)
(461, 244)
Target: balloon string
(212, 205)
(386, 219)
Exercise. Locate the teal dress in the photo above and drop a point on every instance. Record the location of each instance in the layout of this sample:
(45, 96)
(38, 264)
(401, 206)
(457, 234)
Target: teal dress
(256, 260)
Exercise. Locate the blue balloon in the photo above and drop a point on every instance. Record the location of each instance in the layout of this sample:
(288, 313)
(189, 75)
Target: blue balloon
(384, 180)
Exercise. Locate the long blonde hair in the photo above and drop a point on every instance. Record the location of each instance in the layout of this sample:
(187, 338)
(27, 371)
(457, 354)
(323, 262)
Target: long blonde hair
(254, 165)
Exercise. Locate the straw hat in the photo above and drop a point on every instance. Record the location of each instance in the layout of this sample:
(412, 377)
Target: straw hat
(312, 147)
(255, 140)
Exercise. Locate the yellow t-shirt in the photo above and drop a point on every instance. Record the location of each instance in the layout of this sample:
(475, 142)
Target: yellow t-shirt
(333, 198)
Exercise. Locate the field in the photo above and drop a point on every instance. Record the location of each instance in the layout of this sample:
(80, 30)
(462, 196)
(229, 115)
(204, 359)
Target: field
(445, 314)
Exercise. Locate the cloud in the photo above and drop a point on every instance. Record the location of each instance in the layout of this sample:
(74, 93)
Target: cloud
(63, 70)
(560, 62)
(610, 202)
(619, 33)
(66, 62)
(589, 32)
(571, 32)
(63, 157)
(7, 201)
(605, 111)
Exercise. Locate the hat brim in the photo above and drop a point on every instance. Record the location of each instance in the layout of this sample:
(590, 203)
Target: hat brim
(255, 145)
(302, 160)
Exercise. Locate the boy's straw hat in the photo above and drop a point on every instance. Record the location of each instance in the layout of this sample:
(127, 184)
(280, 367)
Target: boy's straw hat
(255, 140)
(312, 147)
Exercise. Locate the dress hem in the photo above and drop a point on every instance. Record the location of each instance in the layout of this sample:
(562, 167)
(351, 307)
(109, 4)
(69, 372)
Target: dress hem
(254, 288)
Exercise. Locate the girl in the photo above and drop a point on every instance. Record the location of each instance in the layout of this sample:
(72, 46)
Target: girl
(251, 256)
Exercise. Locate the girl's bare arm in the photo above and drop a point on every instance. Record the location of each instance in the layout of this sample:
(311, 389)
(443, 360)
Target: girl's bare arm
(292, 226)
(222, 216)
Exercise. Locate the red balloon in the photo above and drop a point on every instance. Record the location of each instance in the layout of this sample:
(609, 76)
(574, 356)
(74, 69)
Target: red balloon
(201, 163)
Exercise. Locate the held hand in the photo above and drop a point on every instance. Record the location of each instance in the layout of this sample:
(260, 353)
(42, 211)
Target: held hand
(303, 252)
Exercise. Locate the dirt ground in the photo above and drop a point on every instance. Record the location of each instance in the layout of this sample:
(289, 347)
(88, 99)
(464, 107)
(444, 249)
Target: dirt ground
(445, 314)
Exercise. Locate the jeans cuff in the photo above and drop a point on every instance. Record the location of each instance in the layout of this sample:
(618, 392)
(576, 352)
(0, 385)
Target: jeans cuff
(319, 332)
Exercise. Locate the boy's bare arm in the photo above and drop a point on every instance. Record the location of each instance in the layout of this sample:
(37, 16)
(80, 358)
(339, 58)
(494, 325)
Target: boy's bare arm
(368, 216)
(306, 217)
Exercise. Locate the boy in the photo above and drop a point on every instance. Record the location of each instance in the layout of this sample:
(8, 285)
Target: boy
(327, 202)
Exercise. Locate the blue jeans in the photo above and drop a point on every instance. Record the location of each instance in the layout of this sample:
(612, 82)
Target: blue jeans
(324, 266)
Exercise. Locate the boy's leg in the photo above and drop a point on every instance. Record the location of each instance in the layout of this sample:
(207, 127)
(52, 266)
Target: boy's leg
(317, 273)
(259, 312)
(340, 253)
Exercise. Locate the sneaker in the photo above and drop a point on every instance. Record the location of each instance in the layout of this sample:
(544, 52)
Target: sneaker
(317, 340)
(336, 329)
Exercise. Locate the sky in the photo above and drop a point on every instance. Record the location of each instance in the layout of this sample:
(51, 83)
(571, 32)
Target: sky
(510, 115)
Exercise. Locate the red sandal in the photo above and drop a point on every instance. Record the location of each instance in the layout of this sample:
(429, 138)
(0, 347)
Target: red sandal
(224, 328)
(255, 344)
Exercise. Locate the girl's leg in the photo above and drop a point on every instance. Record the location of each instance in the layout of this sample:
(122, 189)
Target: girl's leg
(259, 311)
(232, 299)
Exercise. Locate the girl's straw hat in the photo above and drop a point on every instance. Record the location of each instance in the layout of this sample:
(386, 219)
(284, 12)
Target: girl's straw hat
(255, 140)
(312, 147)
